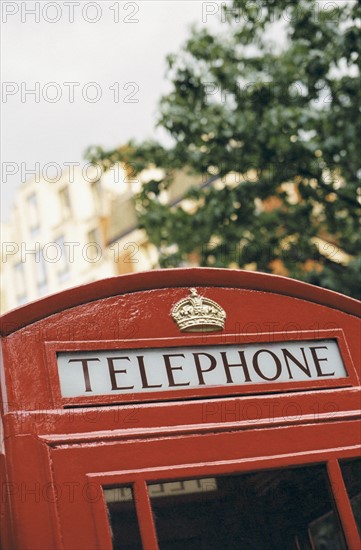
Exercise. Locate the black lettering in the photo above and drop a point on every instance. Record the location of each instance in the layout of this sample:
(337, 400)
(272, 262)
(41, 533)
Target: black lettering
(170, 369)
(84, 363)
(143, 374)
(228, 366)
(200, 371)
(288, 355)
(276, 360)
(317, 361)
(113, 372)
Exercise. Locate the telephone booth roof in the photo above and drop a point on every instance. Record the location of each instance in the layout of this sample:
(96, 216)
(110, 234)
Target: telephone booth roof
(104, 393)
(173, 278)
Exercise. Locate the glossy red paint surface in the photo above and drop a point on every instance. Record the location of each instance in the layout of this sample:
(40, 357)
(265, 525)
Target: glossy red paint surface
(59, 452)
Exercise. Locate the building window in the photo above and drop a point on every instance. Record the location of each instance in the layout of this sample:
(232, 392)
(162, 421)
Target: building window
(93, 248)
(40, 273)
(62, 263)
(94, 236)
(20, 283)
(33, 214)
(96, 191)
(65, 203)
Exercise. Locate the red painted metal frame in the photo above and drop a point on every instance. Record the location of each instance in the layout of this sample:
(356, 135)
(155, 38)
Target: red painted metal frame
(52, 348)
(139, 478)
(343, 504)
(145, 315)
(51, 441)
(136, 458)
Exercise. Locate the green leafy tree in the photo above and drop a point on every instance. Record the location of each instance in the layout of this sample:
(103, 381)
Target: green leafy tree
(278, 127)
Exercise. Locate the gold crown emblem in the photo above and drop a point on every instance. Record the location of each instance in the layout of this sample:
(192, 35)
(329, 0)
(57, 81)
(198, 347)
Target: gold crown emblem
(196, 313)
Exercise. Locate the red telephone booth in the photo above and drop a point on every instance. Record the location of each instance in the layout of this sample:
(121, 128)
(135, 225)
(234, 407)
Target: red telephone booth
(182, 409)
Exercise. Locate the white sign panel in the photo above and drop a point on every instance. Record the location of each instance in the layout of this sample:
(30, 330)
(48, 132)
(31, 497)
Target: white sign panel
(109, 372)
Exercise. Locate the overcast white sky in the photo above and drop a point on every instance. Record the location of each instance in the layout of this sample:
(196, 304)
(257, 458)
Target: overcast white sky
(109, 52)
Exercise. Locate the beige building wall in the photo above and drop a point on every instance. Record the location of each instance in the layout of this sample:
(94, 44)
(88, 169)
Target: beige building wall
(77, 230)
(56, 236)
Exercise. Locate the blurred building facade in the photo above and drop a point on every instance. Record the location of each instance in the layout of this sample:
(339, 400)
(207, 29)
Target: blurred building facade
(62, 234)
(81, 229)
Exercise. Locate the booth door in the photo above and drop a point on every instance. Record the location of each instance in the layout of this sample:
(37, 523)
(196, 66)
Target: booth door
(304, 501)
(288, 508)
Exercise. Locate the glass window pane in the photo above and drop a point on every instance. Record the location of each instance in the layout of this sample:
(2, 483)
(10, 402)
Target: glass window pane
(351, 471)
(20, 282)
(96, 191)
(33, 214)
(123, 518)
(94, 236)
(65, 203)
(277, 510)
(40, 272)
(62, 263)
(324, 532)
